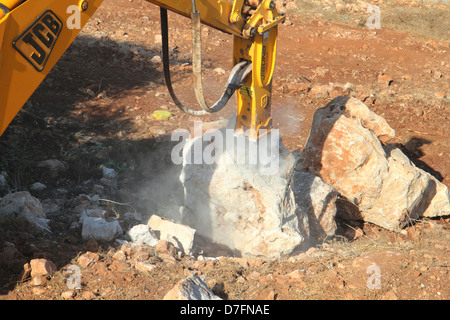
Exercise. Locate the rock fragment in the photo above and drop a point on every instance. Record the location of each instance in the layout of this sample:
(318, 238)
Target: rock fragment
(54, 167)
(100, 229)
(23, 204)
(142, 233)
(181, 236)
(192, 288)
(42, 267)
(88, 258)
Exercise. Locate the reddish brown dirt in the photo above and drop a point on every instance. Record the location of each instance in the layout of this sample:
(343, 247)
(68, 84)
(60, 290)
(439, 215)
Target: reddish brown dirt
(101, 93)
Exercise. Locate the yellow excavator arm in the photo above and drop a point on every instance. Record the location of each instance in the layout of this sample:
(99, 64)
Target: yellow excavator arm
(34, 34)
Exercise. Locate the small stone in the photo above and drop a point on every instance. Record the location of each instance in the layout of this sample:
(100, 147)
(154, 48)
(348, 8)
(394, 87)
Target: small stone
(297, 274)
(168, 258)
(156, 59)
(349, 87)
(219, 71)
(390, 295)
(42, 267)
(126, 249)
(440, 94)
(271, 295)
(109, 173)
(100, 229)
(133, 216)
(54, 167)
(322, 90)
(50, 207)
(101, 268)
(163, 246)
(87, 259)
(119, 266)
(3, 182)
(144, 266)
(158, 38)
(37, 186)
(184, 235)
(192, 288)
(67, 295)
(23, 204)
(142, 233)
(140, 253)
(385, 80)
(87, 295)
(120, 255)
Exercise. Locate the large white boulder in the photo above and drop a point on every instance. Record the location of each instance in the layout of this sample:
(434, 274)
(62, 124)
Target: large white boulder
(379, 182)
(247, 205)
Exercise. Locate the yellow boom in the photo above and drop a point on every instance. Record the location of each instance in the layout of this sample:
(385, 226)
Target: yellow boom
(35, 33)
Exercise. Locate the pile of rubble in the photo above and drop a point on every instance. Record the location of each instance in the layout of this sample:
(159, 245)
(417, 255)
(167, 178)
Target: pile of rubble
(347, 170)
(132, 255)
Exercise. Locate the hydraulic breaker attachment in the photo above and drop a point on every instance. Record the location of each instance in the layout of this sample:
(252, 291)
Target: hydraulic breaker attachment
(254, 97)
(255, 37)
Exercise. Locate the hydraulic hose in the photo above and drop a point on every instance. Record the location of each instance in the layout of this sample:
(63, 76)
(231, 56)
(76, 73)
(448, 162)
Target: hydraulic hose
(236, 79)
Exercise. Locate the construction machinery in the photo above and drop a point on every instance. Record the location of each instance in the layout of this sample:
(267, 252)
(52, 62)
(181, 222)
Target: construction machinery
(35, 33)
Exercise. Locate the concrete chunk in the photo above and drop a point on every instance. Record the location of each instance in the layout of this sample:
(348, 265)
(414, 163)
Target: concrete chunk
(182, 235)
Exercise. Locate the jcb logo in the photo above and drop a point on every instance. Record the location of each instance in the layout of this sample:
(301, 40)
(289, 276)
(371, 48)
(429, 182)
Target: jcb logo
(37, 42)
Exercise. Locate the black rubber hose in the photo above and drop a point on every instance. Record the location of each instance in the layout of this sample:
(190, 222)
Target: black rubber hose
(236, 79)
(165, 54)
